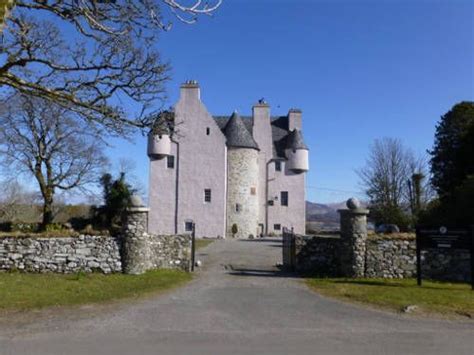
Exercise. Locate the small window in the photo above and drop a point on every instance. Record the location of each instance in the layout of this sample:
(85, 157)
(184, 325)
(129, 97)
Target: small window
(238, 207)
(278, 166)
(284, 198)
(253, 190)
(207, 195)
(170, 162)
(208, 131)
(188, 226)
(270, 203)
(277, 227)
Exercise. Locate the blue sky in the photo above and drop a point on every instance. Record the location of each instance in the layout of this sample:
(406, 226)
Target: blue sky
(359, 70)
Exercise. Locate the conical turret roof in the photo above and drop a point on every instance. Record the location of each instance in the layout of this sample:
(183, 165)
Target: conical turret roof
(237, 134)
(295, 140)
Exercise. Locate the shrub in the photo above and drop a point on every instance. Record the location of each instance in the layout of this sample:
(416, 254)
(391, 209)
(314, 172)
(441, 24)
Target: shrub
(235, 229)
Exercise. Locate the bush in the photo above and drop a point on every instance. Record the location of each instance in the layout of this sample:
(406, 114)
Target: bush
(235, 229)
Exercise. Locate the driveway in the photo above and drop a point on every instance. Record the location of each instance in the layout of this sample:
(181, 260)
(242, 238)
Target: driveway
(238, 304)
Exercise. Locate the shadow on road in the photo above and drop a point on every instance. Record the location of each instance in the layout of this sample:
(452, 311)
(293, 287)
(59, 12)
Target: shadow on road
(254, 272)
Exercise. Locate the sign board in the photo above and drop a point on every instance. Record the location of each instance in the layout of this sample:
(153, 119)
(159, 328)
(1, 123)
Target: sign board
(446, 238)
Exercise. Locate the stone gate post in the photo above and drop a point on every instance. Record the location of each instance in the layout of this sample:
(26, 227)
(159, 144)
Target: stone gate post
(135, 250)
(353, 239)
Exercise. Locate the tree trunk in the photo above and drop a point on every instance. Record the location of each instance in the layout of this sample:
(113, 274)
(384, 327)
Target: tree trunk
(47, 210)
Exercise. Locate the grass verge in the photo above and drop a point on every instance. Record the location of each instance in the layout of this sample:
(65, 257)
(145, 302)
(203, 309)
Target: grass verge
(433, 297)
(21, 291)
(202, 243)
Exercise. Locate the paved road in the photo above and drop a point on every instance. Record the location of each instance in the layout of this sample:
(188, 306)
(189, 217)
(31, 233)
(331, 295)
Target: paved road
(239, 304)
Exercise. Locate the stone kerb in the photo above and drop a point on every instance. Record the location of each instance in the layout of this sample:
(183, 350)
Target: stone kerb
(353, 239)
(136, 258)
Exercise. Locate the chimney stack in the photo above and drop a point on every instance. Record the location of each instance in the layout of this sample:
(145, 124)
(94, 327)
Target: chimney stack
(294, 119)
(190, 90)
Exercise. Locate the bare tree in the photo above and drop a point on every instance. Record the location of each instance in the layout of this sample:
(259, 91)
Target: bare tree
(94, 57)
(14, 196)
(50, 144)
(386, 177)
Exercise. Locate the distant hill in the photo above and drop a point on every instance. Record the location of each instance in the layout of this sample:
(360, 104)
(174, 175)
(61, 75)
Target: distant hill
(318, 212)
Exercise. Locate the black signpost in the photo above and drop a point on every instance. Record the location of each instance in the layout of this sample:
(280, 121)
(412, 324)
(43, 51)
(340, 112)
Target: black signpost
(444, 238)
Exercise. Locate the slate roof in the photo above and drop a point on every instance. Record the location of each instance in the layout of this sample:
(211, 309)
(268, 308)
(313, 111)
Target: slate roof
(279, 131)
(237, 133)
(295, 140)
(282, 138)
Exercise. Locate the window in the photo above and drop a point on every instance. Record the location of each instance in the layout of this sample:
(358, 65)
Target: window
(278, 166)
(238, 207)
(207, 195)
(170, 161)
(208, 131)
(270, 203)
(253, 190)
(284, 198)
(277, 227)
(188, 226)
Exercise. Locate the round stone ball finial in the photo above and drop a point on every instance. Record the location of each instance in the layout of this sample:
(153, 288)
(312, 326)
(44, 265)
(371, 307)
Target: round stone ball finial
(136, 201)
(353, 203)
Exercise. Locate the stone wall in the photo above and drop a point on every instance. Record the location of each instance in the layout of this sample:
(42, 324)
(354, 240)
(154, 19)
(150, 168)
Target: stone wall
(317, 255)
(170, 252)
(90, 253)
(63, 255)
(384, 257)
(242, 178)
(390, 257)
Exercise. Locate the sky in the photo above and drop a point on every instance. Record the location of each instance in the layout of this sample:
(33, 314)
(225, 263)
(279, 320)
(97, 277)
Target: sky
(359, 70)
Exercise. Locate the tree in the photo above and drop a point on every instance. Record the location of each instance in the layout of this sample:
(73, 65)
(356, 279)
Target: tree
(5, 7)
(386, 176)
(94, 57)
(50, 144)
(452, 157)
(13, 198)
(116, 194)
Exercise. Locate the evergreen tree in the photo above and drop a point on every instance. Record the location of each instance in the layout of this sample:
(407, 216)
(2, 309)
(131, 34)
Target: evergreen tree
(452, 157)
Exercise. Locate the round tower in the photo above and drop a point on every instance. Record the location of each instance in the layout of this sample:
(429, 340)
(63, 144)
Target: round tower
(296, 152)
(159, 137)
(242, 180)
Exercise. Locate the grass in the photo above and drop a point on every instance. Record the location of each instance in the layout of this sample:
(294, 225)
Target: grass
(433, 297)
(202, 243)
(21, 291)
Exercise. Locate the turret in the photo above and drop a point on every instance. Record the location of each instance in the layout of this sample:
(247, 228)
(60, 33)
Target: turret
(296, 152)
(159, 138)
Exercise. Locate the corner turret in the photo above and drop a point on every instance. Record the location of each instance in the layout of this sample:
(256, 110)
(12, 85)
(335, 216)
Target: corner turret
(296, 152)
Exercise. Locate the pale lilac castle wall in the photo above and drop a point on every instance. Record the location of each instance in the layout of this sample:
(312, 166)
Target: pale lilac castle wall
(203, 164)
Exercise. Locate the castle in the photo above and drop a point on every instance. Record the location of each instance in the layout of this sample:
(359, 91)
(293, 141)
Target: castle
(229, 176)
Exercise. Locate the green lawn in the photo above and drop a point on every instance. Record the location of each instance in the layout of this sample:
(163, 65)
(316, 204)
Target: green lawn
(433, 297)
(21, 291)
(201, 243)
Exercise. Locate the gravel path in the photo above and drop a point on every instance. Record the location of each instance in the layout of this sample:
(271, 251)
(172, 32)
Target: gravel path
(239, 304)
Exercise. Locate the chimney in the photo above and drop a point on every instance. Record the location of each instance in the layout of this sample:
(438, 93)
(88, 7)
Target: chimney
(190, 90)
(262, 130)
(294, 119)
(261, 110)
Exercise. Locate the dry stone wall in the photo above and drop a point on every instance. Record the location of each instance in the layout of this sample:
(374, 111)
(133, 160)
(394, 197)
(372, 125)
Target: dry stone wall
(63, 255)
(384, 257)
(90, 253)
